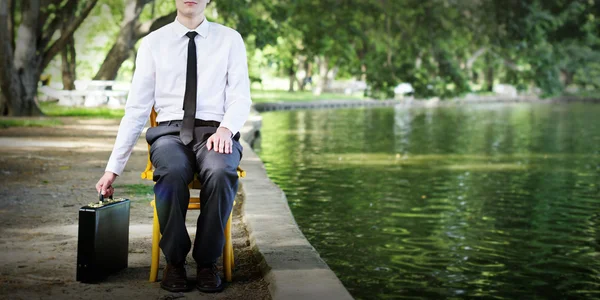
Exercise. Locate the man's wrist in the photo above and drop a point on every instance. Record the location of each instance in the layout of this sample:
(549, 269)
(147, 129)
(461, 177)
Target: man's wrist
(227, 131)
(114, 175)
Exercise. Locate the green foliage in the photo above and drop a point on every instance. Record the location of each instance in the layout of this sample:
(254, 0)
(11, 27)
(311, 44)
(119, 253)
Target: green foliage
(435, 45)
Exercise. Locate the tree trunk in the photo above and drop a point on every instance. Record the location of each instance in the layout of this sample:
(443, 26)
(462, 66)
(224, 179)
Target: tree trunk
(26, 62)
(363, 72)
(69, 65)
(7, 84)
(3, 106)
(567, 77)
(131, 31)
(125, 41)
(323, 72)
(134, 55)
(307, 74)
(67, 30)
(23, 63)
(292, 77)
(116, 56)
(12, 6)
(68, 59)
(489, 73)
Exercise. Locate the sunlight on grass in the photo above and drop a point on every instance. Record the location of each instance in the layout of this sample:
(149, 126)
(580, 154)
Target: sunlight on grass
(5, 123)
(135, 189)
(55, 110)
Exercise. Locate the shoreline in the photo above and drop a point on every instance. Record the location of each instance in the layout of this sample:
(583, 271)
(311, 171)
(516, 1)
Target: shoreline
(290, 265)
(321, 104)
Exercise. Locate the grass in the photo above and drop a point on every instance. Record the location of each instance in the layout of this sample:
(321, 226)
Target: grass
(260, 96)
(5, 123)
(584, 94)
(483, 93)
(135, 189)
(52, 109)
(55, 110)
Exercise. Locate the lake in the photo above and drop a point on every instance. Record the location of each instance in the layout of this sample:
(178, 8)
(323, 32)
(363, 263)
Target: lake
(492, 200)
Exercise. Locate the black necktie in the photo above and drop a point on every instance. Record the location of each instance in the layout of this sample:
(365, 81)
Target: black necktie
(189, 99)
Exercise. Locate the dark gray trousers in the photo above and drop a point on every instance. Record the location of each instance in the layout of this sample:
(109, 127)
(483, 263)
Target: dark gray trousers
(175, 165)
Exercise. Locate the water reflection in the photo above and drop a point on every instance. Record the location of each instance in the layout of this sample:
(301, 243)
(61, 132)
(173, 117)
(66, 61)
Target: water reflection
(499, 201)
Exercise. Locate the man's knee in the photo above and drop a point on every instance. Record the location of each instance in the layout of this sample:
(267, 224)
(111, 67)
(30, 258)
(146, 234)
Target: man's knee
(219, 171)
(176, 173)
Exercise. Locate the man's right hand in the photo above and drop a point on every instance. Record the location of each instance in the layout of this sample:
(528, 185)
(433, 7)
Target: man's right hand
(104, 185)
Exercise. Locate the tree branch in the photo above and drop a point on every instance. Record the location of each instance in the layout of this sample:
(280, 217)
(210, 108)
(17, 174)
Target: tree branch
(67, 33)
(56, 22)
(145, 28)
(475, 56)
(45, 13)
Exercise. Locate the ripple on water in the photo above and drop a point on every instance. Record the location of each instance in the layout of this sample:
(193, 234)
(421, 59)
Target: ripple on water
(494, 202)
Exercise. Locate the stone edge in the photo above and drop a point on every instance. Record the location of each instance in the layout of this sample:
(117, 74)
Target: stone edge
(289, 263)
(324, 104)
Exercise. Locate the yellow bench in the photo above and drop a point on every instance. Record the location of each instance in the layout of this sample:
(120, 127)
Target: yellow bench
(228, 260)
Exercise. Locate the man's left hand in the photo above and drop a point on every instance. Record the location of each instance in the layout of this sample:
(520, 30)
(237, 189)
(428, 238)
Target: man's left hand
(220, 141)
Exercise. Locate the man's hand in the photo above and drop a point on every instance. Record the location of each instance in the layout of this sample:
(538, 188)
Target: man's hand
(104, 185)
(220, 141)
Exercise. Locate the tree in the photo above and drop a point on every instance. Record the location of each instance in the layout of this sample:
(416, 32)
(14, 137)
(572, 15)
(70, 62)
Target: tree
(131, 31)
(253, 20)
(40, 36)
(68, 55)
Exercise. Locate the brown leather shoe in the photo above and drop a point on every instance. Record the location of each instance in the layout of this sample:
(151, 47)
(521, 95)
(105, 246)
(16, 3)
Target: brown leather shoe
(174, 279)
(208, 279)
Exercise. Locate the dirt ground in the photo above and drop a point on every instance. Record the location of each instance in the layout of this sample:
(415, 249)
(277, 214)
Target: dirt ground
(46, 175)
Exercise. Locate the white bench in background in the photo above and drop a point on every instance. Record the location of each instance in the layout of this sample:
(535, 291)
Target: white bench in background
(90, 93)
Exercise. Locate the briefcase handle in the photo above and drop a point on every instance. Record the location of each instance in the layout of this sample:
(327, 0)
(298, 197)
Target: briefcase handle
(101, 197)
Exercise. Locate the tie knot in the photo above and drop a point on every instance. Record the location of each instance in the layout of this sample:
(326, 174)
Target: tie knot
(191, 34)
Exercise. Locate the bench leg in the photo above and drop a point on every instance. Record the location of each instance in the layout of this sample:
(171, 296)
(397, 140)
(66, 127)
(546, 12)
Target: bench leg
(155, 247)
(228, 252)
(232, 259)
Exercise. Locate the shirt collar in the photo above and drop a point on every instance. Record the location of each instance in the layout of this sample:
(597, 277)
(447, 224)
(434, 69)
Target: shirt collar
(181, 30)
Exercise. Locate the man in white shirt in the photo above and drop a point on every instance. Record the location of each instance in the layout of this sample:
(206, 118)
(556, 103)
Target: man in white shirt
(195, 74)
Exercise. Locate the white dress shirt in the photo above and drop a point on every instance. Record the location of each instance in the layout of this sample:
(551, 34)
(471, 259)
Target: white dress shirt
(159, 81)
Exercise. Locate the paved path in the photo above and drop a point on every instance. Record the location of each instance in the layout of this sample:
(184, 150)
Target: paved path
(47, 173)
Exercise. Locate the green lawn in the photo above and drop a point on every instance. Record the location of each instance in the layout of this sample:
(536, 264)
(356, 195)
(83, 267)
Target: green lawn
(5, 123)
(55, 110)
(258, 96)
(132, 190)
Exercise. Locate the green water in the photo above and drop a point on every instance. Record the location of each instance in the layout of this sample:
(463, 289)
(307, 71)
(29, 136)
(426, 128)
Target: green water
(486, 201)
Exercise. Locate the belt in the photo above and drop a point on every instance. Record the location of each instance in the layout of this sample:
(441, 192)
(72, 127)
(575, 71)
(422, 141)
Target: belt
(197, 123)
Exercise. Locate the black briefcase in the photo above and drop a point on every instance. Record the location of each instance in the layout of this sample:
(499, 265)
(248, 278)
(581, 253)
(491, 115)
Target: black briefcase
(103, 239)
